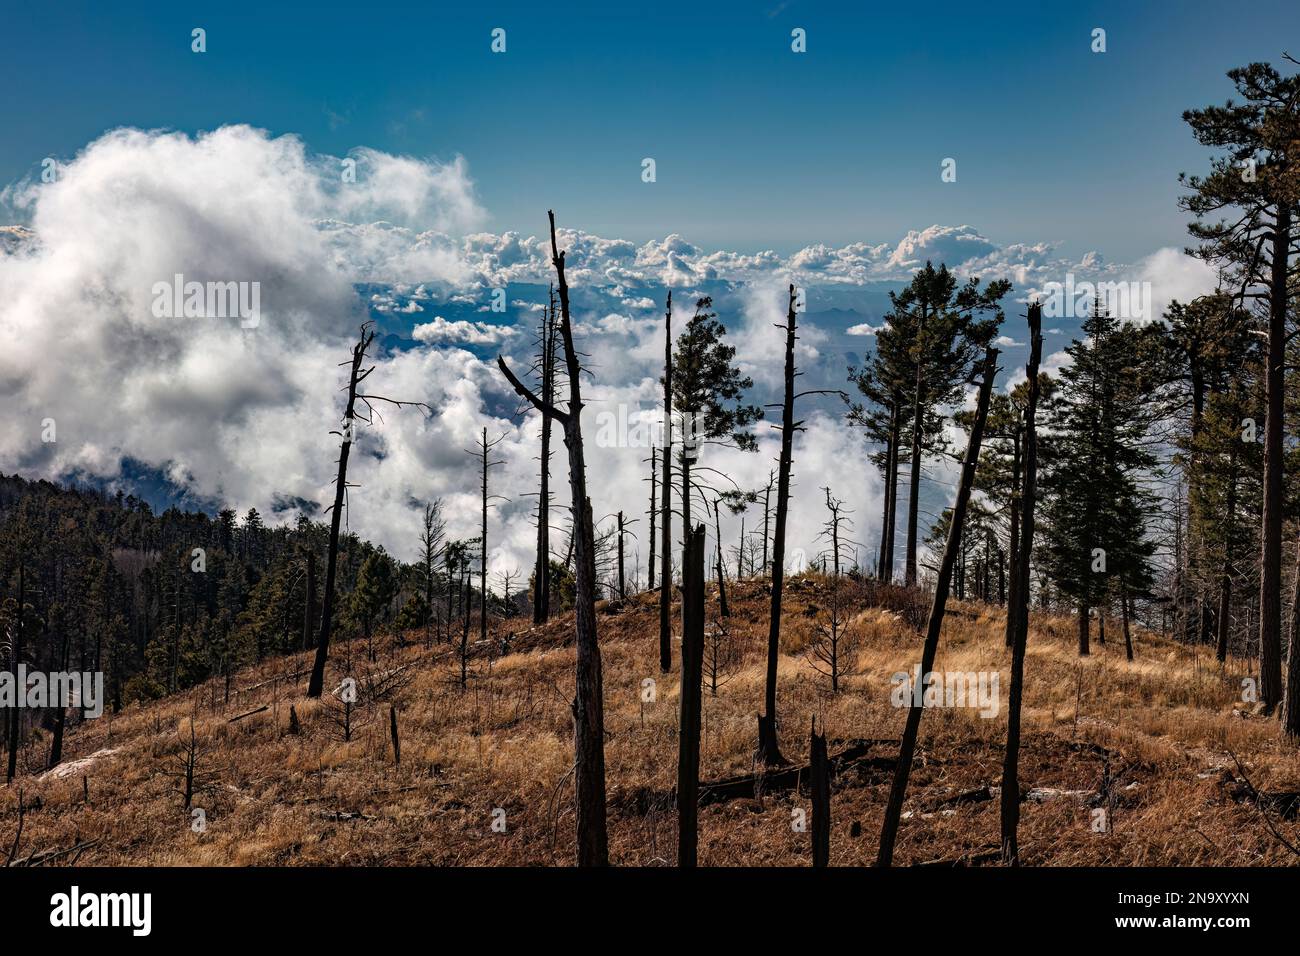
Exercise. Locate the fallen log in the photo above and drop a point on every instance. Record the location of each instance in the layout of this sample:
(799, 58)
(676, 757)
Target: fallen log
(784, 779)
(249, 713)
(45, 856)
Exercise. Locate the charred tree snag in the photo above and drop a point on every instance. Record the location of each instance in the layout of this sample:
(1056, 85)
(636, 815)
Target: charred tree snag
(688, 748)
(1019, 609)
(485, 463)
(542, 573)
(654, 487)
(894, 808)
(588, 701)
(769, 750)
(666, 506)
(820, 788)
(350, 416)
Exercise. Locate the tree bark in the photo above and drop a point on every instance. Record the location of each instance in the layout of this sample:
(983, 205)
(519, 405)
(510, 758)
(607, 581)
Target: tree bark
(1270, 579)
(317, 682)
(820, 787)
(666, 506)
(688, 748)
(1019, 609)
(588, 703)
(1291, 708)
(1013, 578)
(542, 572)
(769, 750)
(654, 486)
(914, 478)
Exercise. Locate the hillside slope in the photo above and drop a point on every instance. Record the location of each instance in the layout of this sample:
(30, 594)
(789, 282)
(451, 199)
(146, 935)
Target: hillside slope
(1161, 730)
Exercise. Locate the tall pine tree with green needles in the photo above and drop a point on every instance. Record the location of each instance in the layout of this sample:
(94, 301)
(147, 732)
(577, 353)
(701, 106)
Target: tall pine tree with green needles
(1098, 504)
(946, 327)
(1246, 209)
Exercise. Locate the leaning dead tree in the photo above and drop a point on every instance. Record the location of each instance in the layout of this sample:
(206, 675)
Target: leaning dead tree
(347, 435)
(1019, 606)
(588, 701)
(688, 748)
(666, 506)
(894, 808)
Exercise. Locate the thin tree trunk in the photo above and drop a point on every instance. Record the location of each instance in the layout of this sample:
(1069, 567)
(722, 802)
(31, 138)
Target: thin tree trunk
(1123, 610)
(666, 506)
(891, 451)
(542, 572)
(1019, 609)
(1291, 707)
(317, 682)
(1225, 574)
(769, 750)
(483, 552)
(722, 574)
(654, 486)
(622, 582)
(907, 749)
(1013, 579)
(914, 479)
(1270, 579)
(308, 618)
(688, 748)
(588, 702)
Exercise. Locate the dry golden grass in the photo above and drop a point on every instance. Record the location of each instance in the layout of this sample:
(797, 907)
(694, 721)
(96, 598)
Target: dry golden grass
(1169, 721)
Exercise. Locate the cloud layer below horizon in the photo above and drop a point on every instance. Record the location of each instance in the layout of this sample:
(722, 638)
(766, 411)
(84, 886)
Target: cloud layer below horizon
(243, 415)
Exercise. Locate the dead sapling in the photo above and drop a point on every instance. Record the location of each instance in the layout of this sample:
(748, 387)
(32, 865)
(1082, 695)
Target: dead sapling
(831, 652)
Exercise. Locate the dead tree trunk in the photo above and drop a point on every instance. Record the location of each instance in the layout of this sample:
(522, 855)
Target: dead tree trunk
(654, 487)
(914, 477)
(392, 729)
(622, 581)
(688, 747)
(1013, 578)
(309, 601)
(894, 808)
(883, 569)
(819, 773)
(767, 495)
(769, 750)
(721, 567)
(61, 715)
(1123, 610)
(666, 507)
(542, 573)
(1291, 707)
(1020, 608)
(355, 377)
(588, 702)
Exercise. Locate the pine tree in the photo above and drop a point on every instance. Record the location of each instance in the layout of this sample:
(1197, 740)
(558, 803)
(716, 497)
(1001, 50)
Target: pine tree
(1097, 505)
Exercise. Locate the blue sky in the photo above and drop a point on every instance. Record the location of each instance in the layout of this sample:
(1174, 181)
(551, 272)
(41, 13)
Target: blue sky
(755, 146)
